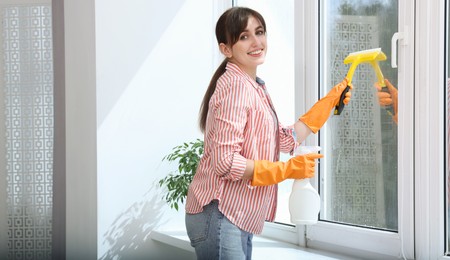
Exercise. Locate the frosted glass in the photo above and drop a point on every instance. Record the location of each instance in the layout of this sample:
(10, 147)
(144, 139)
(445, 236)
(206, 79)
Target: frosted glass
(27, 105)
(358, 180)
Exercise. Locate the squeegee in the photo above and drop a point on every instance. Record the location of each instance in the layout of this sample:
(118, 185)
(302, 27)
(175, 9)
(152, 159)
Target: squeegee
(372, 56)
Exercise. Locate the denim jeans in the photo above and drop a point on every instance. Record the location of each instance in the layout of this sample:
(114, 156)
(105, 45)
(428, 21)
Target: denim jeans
(214, 237)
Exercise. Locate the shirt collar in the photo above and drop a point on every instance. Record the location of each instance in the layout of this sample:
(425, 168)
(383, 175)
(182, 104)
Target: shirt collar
(235, 68)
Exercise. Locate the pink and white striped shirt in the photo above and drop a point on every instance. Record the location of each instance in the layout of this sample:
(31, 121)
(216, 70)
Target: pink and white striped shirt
(241, 124)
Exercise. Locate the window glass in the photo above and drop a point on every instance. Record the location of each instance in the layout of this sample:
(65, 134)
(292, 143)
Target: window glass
(27, 116)
(358, 177)
(278, 73)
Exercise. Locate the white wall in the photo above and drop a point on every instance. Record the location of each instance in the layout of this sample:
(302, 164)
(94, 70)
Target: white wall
(154, 62)
(81, 163)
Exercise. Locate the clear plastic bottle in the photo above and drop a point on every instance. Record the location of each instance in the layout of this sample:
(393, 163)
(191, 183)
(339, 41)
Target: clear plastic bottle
(304, 201)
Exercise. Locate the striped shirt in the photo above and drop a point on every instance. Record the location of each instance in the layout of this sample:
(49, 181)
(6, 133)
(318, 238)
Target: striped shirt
(241, 124)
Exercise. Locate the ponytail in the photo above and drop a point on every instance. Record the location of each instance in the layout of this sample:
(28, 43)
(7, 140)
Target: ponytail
(203, 113)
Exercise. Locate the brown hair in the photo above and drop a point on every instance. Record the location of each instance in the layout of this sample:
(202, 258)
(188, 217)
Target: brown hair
(228, 29)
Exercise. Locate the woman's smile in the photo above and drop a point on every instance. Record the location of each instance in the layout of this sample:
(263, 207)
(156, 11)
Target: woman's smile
(256, 53)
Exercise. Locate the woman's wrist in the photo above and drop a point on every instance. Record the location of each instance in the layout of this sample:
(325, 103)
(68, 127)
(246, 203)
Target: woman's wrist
(302, 131)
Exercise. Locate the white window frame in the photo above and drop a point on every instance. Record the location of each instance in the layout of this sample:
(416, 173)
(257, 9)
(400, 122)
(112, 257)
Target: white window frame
(430, 123)
(343, 238)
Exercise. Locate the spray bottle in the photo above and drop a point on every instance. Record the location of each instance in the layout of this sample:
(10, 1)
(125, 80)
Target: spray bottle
(304, 201)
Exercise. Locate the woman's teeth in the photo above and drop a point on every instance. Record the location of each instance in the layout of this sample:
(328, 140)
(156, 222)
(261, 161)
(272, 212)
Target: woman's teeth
(255, 52)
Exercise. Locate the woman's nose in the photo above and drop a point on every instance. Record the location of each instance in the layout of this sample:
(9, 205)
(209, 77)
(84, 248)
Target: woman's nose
(255, 40)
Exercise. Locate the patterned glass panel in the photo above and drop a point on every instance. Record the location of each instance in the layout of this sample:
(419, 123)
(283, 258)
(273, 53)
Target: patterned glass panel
(28, 103)
(360, 177)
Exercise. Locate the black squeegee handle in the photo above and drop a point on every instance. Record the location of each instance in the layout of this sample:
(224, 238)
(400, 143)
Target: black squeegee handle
(390, 108)
(338, 109)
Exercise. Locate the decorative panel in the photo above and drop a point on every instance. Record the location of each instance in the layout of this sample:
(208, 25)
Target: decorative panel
(28, 112)
(356, 192)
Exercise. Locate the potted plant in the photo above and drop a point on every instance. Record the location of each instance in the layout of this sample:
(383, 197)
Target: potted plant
(177, 182)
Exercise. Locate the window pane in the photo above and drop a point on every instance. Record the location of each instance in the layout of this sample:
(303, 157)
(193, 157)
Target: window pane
(359, 174)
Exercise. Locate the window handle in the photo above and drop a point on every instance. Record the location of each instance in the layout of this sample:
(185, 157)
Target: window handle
(395, 38)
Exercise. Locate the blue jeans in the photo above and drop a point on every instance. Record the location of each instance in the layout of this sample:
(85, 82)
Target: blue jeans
(214, 237)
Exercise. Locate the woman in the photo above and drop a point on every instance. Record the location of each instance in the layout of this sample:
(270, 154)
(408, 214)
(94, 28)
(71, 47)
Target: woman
(234, 189)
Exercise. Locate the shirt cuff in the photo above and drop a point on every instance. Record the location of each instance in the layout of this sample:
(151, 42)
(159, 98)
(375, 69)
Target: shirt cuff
(237, 167)
(292, 140)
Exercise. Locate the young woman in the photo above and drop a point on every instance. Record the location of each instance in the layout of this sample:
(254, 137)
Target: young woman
(234, 189)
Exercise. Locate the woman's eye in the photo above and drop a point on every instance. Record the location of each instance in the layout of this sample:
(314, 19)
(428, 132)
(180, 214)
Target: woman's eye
(243, 37)
(260, 32)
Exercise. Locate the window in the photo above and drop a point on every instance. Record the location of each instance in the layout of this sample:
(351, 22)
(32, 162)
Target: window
(359, 180)
(366, 176)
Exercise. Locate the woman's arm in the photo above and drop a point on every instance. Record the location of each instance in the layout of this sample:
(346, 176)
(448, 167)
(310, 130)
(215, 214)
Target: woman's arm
(301, 131)
(249, 168)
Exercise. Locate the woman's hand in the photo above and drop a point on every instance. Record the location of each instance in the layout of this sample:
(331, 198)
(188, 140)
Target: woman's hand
(388, 97)
(316, 117)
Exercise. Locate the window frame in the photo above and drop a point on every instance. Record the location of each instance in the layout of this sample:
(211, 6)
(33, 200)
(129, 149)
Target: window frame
(430, 141)
(362, 241)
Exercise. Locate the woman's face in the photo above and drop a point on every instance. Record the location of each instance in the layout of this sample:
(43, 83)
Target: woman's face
(250, 50)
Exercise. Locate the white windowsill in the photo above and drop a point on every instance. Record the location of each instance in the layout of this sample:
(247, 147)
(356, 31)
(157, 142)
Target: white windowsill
(263, 248)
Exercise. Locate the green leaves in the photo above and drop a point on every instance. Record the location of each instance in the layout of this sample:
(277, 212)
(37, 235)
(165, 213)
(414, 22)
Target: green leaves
(177, 183)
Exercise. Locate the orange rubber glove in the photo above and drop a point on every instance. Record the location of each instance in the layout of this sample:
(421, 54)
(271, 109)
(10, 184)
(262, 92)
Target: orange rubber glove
(388, 98)
(316, 117)
(299, 167)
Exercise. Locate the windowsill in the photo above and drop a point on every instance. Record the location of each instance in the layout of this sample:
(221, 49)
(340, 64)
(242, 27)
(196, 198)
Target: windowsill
(263, 248)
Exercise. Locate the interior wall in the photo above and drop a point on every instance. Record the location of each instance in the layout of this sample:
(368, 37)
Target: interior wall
(154, 61)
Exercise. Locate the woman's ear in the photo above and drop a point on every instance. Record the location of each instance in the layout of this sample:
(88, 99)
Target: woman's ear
(225, 50)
